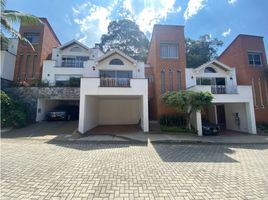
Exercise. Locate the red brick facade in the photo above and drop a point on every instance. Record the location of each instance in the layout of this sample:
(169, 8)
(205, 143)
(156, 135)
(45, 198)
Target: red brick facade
(29, 63)
(236, 55)
(171, 71)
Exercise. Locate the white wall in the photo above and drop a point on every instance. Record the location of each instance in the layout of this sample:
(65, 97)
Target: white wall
(7, 65)
(230, 110)
(118, 111)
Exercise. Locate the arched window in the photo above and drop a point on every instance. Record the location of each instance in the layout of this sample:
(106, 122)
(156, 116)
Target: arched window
(163, 80)
(209, 70)
(116, 61)
(170, 78)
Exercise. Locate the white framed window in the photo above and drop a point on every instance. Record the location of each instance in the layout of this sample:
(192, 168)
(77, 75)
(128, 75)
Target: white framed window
(254, 58)
(169, 50)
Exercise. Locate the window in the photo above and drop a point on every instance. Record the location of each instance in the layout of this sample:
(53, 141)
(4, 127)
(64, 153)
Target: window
(209, 70)
(74, 61)
(179, 80)
(115, 74)
(34, 64)
(33, 37)
(168, 50)
(163, 80)
(254, 59)
(170, 79)
(67, 80)
(116, 61)
(20, 68)
(27, 66)
(210, 81)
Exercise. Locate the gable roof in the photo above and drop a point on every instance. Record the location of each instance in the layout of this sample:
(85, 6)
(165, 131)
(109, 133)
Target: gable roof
(67, 44)
(116, 51)
(215, 62)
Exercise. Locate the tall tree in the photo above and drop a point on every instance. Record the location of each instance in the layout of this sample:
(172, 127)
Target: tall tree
(8, 17)
(187, 102)
(201, 50)
(126, 36)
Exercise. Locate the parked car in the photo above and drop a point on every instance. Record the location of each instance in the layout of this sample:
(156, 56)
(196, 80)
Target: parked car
(63, 113)
(209, 128)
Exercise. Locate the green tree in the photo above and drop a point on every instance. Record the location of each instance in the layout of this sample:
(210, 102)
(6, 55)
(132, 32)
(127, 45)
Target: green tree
(187, 102)
(126, 36)
(8, 17)
(201, 50)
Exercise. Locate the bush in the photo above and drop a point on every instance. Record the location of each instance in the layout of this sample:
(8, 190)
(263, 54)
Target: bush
(13, 113)
(74, 82)
(39, 83)
(172, 120)
(263, 126)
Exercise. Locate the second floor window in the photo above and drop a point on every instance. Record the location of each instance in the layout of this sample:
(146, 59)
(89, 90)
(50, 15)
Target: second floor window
(74, 61)
(254, 59)
(169, 50)
(33, 37)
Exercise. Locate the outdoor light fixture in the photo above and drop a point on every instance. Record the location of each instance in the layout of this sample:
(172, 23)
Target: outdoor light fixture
(93, 68)
(192, 77)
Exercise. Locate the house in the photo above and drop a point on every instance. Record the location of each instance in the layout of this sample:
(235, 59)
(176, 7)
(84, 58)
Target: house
(232, 105)
(247, 54)
(29, 62)
(8, 59)
(113, 88)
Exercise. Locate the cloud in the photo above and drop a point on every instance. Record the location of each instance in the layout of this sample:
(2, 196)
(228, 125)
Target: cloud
(226, 33)
(232, 2)
(193, 7)
(93, 19)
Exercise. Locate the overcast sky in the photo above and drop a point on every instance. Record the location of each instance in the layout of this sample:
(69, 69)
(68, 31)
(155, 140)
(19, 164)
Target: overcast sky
(87, 20)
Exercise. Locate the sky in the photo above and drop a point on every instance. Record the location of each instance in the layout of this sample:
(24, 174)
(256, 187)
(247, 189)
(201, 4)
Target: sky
(87, 20)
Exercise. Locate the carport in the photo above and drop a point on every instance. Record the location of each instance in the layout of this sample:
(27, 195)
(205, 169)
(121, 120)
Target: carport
(46, 105)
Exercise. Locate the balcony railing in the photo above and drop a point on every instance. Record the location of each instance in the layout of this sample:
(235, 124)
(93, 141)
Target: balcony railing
(114, 82)
(223, 89)
(72, 63)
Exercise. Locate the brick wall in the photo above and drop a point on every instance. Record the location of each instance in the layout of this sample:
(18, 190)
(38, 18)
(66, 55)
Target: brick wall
(165, 34)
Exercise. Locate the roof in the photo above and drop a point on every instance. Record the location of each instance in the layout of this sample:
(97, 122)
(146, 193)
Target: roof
(116, 51)
(237, 37)
(67, 44)
(43, 19)
(215, 62)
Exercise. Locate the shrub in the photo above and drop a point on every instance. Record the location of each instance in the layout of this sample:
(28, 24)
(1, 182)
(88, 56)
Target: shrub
(39, 83)
(172, 120)
(13, 113)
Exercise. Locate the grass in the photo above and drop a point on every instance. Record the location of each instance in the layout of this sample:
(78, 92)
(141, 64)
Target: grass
(176, 130)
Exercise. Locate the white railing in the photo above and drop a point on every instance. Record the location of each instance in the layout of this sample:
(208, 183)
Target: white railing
(223, 89)
(114, 82)
(72, 63)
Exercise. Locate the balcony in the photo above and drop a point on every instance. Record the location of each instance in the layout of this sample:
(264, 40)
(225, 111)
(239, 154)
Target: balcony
(223, 89)
(72, 63)
(114, 82)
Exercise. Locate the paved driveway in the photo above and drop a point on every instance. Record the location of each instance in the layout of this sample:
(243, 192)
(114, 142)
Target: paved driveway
(31, 169)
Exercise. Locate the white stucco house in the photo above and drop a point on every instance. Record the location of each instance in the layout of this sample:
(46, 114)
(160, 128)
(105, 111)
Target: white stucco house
(8, 59)
(113, 88)
(233, 106)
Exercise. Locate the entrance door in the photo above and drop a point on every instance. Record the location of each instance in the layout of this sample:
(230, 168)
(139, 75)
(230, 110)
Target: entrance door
(221, 116)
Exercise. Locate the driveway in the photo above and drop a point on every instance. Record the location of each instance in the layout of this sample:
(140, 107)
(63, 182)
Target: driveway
(45, 128)
(34, 169)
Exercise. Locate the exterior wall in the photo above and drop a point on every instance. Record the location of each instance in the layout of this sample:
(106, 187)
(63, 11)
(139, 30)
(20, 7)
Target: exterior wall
(88, 113)
(230, 110)
(165, 33)
(7, 65)
(236, 56)
(47, 41)
(119, 111)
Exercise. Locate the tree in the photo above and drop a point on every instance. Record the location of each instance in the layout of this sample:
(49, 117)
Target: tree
(126, 36)
(201, 51)
(187, 102)
(8, 17)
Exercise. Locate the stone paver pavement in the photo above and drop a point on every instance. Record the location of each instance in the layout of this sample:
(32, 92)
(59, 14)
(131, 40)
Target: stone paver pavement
(34, 169)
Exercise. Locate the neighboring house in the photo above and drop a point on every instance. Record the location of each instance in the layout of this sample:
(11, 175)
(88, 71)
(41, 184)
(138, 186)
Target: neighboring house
(8, 59)
(29, 63)
(247, 54)
(167, 61)
(72, 59)
(113, 87)
(232, 106)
